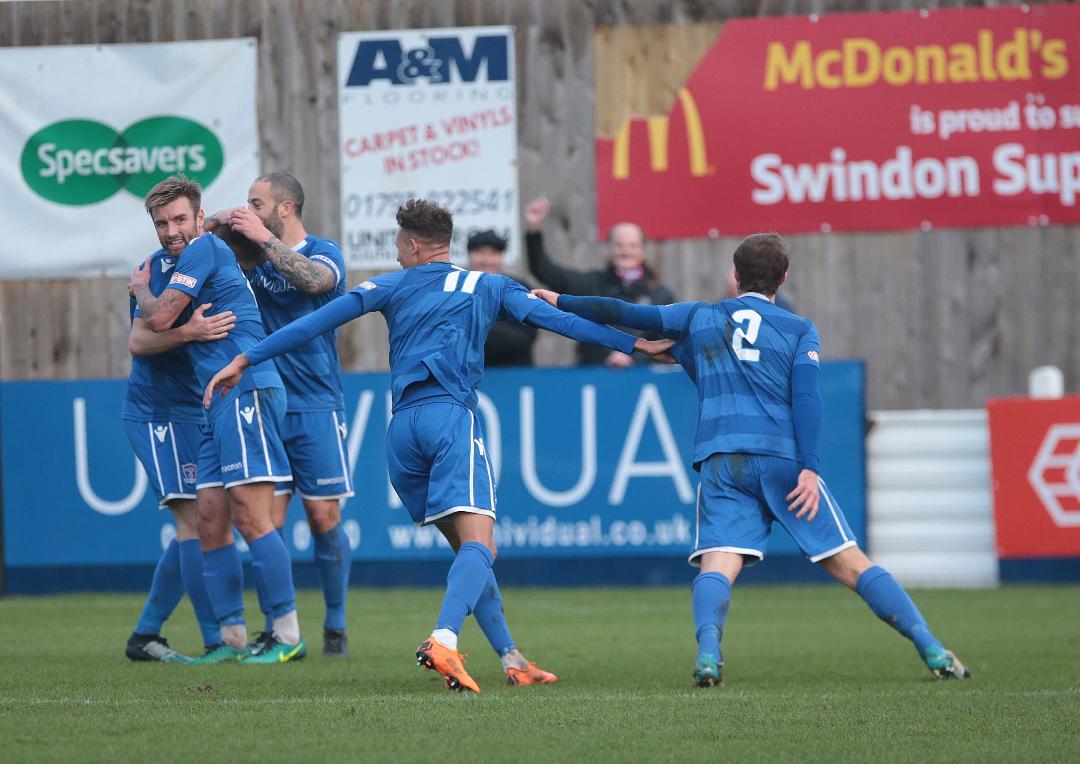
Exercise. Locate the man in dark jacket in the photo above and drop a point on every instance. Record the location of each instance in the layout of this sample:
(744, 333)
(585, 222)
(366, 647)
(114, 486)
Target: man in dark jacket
(626, 276)
(509, 343)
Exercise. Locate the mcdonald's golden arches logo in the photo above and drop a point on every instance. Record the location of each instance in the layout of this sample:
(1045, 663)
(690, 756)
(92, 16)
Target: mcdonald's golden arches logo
(657, 126)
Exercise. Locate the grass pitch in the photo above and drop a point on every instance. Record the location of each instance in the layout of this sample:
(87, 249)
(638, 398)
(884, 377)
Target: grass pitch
(812, 675)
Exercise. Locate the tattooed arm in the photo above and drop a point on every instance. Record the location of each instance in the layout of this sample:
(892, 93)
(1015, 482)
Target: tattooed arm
(161, 312)
(306, 275)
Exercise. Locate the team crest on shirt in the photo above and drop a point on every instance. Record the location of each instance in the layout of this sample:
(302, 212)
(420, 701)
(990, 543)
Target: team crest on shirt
(180, 278)
(368, 285)
(813, 355)
(190, 473)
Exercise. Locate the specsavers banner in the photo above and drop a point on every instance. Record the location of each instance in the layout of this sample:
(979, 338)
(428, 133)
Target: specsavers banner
(845, 122)
(426, 113)
(87, 130)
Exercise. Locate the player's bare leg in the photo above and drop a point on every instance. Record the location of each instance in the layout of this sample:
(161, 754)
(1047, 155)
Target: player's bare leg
(891, 603)
(465, 582)
(491, 618)
(252, 506)
(711, 598)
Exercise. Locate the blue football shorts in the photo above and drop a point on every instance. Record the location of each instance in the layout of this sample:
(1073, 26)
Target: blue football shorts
(247, 439)
(209, 464)
(741, 495)
(169, 452)
(438, 463)
(316, 444)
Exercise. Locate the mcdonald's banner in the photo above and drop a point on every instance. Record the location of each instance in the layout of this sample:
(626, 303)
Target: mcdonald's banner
(591, 465)
(869, 121)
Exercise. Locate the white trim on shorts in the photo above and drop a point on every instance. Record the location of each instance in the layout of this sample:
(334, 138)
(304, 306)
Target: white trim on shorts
(163, 503)
(200, 486)
(153, 452)
(262, 479)
(834, 550)
(338, 496)
(344, 462)
(472, 465)
(693, 558)
(262, 433)
(284, 491)
(243, 440)
(839, 525)
(454, 510)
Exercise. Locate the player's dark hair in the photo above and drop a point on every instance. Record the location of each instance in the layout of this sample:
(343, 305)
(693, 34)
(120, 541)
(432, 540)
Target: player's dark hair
(426, 221)
(486, 239)
(284, 186)
(171, 189)
(248, 253)
(761, 260)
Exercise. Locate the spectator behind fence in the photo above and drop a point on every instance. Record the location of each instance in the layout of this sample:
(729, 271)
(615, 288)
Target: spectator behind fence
(509, 343)
(733, 291)
(626, 276)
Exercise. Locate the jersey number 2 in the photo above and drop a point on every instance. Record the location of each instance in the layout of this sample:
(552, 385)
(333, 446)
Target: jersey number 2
(746, 336)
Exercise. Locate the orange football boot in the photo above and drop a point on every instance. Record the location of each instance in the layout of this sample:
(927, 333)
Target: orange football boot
(531, 675)
(435, 656)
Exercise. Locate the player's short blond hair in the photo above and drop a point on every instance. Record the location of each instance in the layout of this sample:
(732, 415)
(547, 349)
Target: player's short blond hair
(171, 189)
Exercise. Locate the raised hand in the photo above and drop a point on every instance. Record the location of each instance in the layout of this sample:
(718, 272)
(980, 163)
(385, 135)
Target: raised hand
(245, 222)
(536, 212)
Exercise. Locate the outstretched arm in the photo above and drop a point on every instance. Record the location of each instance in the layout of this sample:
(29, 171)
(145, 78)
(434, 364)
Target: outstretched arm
(610, 310)
(328, 317)
(568, 325)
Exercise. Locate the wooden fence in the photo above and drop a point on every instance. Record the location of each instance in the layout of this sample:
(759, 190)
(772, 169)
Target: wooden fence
(943, 318)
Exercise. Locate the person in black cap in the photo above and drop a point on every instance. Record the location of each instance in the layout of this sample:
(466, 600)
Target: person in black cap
(509, 343)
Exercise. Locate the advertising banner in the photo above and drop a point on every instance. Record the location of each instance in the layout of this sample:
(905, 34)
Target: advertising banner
(87, 130)
(426, 113)
(844, 122)
(1035, 454)
(589, 463)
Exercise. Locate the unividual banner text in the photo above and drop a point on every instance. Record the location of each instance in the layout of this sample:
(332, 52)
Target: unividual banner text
(589, 463)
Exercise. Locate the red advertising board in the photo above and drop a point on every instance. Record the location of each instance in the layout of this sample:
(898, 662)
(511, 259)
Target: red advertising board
(1035, 460)
(870, 121)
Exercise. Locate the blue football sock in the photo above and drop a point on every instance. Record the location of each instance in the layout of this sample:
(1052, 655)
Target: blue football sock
(191, 570)
(273, 564)
(711, 597)
(887, 598)
(223, 574)
(491, 618)
(264, 599)
(333, 558)
(464, 584)
(166, 591)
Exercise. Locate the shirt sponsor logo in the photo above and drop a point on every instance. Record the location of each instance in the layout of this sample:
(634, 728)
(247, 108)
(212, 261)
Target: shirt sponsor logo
(232, 467)
(180, 278)
(367, 285)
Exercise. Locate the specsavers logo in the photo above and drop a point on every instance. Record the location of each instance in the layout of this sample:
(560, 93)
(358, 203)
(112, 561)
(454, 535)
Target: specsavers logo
(79, 161)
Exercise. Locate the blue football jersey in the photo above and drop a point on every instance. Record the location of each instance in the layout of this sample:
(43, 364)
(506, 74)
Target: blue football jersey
(740, 353)
(162, 387)
(207, 271)
(439, 317)
(311, 372)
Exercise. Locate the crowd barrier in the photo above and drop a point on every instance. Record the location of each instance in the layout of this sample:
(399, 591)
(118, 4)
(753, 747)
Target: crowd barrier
(595, 483)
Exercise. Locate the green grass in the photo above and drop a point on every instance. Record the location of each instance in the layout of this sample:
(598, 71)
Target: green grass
(812, 676)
